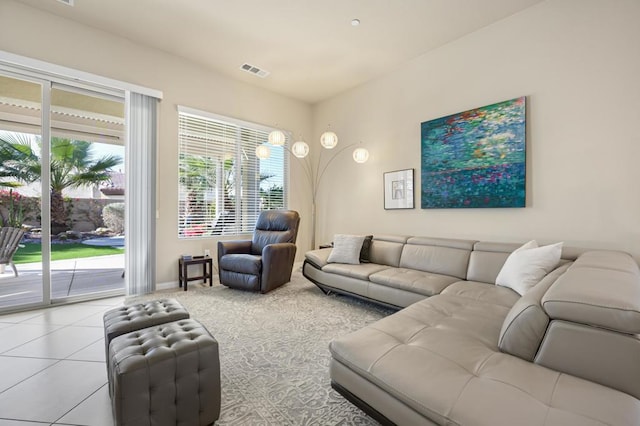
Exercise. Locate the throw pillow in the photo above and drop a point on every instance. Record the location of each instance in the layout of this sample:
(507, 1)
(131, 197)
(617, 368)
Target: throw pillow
(365, 252)
(527, 265)
(346, 249)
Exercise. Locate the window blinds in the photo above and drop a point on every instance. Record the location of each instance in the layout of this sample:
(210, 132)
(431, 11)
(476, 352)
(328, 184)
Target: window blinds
(223, 186)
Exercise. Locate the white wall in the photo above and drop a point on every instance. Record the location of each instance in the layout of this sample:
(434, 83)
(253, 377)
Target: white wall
(578, 63)
(576, 60)
(30, 32)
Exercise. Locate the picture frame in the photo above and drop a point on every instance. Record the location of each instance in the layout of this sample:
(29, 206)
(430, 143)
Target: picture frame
(398, 189)
(475, 158)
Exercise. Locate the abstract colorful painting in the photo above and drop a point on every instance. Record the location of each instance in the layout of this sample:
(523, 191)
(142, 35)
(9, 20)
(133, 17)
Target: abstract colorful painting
(476, 158)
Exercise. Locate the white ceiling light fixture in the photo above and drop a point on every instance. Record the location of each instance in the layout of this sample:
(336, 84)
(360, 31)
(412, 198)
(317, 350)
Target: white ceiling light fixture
(355, 22)
(67, 2)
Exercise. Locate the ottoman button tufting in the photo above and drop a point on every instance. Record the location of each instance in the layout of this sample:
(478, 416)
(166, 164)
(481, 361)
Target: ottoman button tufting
(149, 389)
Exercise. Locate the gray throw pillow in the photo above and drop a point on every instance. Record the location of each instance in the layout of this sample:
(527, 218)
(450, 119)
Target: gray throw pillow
(346, 249)
(365, 252)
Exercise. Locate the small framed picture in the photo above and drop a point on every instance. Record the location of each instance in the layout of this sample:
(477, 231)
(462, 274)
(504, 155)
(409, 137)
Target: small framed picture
(398, 189)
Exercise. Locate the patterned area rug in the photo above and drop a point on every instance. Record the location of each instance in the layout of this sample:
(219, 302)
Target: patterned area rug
(274, 350)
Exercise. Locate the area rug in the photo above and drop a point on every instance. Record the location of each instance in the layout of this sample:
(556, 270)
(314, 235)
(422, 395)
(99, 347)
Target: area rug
(274, 350)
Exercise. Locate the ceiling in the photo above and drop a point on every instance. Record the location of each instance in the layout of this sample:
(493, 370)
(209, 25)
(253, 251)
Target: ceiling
(309, 47)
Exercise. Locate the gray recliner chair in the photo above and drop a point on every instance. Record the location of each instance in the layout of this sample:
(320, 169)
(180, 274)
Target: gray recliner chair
(265, 262)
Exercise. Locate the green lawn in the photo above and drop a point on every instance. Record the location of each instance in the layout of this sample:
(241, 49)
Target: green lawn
(31, 252)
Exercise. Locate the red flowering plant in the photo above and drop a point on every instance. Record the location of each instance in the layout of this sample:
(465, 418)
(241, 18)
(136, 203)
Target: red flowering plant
(11, 210)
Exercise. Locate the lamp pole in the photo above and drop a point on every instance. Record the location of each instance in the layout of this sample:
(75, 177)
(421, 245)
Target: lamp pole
(314, 176)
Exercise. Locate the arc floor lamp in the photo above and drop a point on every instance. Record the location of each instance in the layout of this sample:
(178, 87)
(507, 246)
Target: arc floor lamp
(314, 172)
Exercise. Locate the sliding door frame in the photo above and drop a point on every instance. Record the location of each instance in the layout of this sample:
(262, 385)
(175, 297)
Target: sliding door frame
(47, 83)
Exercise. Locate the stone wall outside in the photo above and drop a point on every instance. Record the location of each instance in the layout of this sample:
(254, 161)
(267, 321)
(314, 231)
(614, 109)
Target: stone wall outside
(85, 213)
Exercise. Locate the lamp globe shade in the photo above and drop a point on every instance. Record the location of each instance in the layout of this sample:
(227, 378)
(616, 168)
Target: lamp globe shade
(263, 152)
(300, 149)
(360, 155)
(277, 138)
(329, 140)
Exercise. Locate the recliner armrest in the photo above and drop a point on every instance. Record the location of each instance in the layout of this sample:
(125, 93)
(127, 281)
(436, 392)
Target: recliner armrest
(277, 264)
(234, 247)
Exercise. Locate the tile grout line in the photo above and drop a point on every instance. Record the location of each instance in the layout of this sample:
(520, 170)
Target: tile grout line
(35, 338)
(101, 310)
(20, 420)
(83, 348)
(75, 406)
(33, 375)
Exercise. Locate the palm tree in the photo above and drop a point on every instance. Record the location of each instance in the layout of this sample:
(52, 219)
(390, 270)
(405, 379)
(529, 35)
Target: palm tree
(16, 156)
(17, 160)
(72, 166)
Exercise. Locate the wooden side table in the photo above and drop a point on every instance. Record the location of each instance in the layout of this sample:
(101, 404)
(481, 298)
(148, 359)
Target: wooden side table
(183, 270)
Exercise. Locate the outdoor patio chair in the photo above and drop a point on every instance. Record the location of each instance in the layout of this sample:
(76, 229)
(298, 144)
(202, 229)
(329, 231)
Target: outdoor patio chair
(9, 240)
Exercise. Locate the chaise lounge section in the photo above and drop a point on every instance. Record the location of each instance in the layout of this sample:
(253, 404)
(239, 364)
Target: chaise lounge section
(473, 353)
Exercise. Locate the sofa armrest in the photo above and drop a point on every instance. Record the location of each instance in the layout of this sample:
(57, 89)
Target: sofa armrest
(318, 258)
(277, 264)
(600, 289)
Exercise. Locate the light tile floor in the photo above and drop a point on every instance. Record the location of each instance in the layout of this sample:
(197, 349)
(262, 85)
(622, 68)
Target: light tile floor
(52, 366)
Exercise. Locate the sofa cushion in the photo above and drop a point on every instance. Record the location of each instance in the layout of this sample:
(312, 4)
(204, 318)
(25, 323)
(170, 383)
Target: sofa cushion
(486, 260)
(411, 280)
(346, 249)
(438, 357)
(483, 292)
(386, 250)
(590, 294)
(360, 271)
(525, 325)
(422, 254)
(527, 265)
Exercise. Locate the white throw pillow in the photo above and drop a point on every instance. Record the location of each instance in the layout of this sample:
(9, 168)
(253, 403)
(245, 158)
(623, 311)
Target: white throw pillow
(527, 265)
(346, 249)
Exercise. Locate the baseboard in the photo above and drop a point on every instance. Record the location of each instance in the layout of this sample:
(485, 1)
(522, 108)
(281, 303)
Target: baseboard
(170, 285)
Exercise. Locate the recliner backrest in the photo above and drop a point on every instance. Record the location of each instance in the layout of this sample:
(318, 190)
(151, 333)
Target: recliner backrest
(275, 226)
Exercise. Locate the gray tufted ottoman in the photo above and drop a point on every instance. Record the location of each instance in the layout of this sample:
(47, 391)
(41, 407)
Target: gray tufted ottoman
(126, 319)
(165, 375)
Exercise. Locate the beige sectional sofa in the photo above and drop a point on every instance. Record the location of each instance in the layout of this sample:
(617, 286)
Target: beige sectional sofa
(467, 352)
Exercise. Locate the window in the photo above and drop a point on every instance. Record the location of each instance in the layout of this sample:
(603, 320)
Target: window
(222, 185)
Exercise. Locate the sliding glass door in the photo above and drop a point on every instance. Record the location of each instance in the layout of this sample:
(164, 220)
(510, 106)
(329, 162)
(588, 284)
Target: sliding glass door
(86, 192)
(21, 260)
(61, 192)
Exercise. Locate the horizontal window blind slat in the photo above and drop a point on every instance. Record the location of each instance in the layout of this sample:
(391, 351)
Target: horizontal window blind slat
(223, 186)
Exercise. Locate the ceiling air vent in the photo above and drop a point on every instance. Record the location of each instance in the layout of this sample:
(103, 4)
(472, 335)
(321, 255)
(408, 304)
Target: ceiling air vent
(251, 69)
(67, 2)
